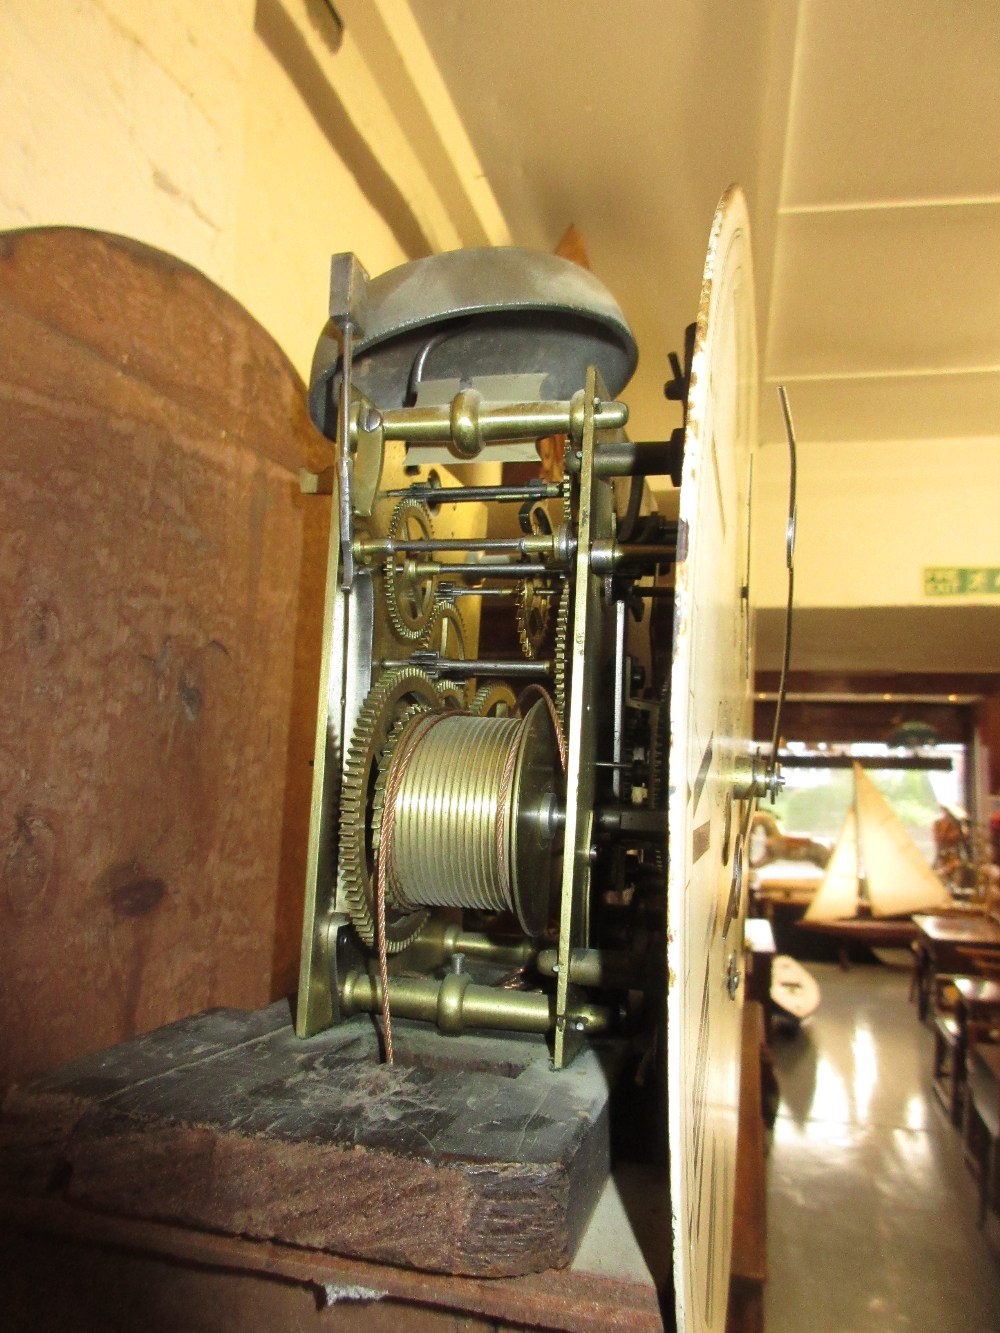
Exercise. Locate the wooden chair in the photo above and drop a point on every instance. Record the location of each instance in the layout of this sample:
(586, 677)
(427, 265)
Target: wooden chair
(982, 1124)
(920, 966)
(966, 1014)
(924, 981)
(982, 962)
(949, 1064)
(980, 1052)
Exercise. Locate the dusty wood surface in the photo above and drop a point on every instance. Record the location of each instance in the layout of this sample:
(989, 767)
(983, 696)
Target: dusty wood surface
(227, 1121)
(150, 535)
(557, 1299)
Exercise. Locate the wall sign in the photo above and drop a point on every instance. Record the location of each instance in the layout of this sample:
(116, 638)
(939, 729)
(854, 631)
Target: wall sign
(961, 580)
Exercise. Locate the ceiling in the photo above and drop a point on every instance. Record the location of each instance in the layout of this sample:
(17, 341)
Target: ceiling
(867, 138)
(597, 114)
(884, 313)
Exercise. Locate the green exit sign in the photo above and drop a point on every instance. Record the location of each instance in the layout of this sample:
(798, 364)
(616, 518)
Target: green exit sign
(961, 580)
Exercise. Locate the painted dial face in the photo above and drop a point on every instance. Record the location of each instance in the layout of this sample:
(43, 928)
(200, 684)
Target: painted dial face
(710, 724)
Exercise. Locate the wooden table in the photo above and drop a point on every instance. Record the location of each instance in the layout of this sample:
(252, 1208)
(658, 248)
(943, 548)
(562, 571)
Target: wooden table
(941, 940)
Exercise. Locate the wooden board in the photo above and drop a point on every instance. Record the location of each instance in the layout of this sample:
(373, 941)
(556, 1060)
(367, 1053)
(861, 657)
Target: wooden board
(119, 1274)
(152, 632)
(794, 991)
(454, 1159)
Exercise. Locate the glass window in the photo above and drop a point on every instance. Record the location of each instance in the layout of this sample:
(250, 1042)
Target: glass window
(815, 800)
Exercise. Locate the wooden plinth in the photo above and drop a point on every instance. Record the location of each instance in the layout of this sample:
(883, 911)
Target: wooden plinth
(447, 1161)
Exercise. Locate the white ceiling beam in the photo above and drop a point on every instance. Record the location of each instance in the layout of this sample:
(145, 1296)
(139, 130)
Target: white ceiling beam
(883, 205)
(414, 92)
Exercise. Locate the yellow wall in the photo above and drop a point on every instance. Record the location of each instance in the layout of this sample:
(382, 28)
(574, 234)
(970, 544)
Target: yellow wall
(234, 135)
(175, 123)
(870, 518)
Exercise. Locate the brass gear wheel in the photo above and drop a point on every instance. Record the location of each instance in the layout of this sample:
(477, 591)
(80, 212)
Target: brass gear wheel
(559, 658)
(532, 617)
(450, 641)
(565, 607)
(658, 750)
(490, 699)
(532, 605)
(451, 696)
(567, 484)
(409, 602)
(391, 705)
(447, 637)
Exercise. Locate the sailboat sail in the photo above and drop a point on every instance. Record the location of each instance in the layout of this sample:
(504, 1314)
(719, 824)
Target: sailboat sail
(837, 896)
(897, 879)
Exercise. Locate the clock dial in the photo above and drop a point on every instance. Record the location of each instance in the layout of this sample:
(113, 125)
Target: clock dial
(710, 724)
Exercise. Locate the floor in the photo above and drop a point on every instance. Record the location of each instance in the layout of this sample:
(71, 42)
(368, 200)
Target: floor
(871, 1208)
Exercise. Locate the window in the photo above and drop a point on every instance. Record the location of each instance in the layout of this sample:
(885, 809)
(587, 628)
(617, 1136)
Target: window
(816, 797)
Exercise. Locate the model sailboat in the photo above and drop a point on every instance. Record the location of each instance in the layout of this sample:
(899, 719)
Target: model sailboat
(876, 869)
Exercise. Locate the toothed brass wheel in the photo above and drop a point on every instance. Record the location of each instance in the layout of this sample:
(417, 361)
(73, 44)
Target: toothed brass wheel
(659, 756)
(494, 700)
(567, 484)
(532, 616)
(561, 650)
(409, 599)
(447, 638)
(451, 697)
(532, 595)
(395, 701)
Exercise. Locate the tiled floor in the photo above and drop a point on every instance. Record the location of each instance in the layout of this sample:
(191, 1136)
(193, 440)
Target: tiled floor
(871, 1208)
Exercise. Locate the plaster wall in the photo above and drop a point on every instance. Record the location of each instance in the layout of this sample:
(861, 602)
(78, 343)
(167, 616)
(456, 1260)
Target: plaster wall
(185, 125)
(870, 518)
